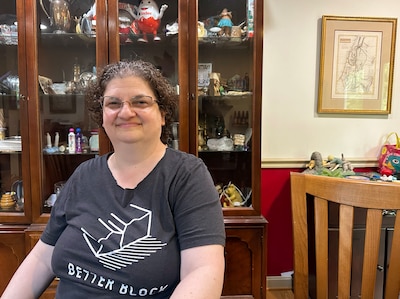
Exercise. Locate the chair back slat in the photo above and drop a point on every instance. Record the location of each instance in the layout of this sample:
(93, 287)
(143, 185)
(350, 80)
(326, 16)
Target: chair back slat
(371, 252)
(393, 277)
(300, 237)
(314, 239)
(321, 248)
(346, 214)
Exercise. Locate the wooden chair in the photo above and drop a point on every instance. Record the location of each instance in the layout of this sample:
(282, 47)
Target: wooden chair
(311, 195)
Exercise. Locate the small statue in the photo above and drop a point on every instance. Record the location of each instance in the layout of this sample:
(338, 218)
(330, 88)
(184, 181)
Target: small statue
(215, 84)
(333, 166)
(334, 163)
(233, 195)
(201, 30)
(229, 195)
(201, 142)
(225, 22)
(147, 19)
(316, 164)
(172, 29)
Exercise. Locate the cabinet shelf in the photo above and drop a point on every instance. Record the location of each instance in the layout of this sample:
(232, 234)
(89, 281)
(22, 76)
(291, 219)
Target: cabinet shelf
(9, 98)
(132, 40)
(226, 152)
(8, 40)
(68, 39)
(13, 210)
(234, 95)
(63, 95)
(9, 152)
(71, 155)
(80, 39)
(224, 42)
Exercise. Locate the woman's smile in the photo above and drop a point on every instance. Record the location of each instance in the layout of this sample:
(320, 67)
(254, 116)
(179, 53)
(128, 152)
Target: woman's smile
(128, 124)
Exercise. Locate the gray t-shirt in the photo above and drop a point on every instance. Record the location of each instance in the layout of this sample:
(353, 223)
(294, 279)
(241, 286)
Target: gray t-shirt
(112, 242)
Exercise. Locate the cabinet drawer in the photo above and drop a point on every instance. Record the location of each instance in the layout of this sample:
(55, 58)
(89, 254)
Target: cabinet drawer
(244, 272)
(12, 252)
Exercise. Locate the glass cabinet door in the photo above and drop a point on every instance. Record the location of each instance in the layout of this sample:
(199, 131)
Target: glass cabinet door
(66, 65)
(225, 97)
(149, 30)
(13, 207)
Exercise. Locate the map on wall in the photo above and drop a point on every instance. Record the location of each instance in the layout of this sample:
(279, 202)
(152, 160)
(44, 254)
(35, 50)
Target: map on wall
(356, 65)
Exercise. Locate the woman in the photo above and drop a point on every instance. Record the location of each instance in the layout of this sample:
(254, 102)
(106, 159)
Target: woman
(143, 221)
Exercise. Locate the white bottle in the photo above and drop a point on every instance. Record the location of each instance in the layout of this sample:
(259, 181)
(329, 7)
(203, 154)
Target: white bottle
(71, 141)
(56, 139)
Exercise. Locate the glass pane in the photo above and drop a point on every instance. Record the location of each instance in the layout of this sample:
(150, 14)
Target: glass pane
(225, 99)
(152, 37)
(67, 63)
(10, 128)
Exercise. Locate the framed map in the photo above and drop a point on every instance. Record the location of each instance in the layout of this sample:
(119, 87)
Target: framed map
(356, 65)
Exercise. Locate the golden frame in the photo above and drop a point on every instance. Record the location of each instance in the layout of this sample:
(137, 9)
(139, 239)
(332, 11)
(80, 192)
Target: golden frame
(356, 65)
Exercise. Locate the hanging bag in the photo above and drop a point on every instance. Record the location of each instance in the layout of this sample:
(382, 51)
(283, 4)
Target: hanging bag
(389, 160)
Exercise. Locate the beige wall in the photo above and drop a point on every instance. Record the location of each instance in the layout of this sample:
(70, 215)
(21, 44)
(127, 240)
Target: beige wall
(291, 128)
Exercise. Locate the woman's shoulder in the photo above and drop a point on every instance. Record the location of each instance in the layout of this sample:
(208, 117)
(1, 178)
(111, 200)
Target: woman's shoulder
(177, 156)
(176, 159)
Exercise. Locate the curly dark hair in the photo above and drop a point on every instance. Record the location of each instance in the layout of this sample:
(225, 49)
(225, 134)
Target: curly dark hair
(166, 96)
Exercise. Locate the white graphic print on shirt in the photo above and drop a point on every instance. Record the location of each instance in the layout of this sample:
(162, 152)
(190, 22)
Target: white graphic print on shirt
(134, 240)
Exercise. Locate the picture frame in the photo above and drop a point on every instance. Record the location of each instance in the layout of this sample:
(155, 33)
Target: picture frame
(62, 104)
(204, 71)
(356, 65)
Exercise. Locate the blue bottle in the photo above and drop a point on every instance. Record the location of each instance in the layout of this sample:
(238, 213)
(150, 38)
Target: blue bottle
(78, 143)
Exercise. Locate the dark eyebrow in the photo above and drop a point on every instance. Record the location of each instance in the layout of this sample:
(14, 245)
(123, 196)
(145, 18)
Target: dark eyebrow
(141, 95)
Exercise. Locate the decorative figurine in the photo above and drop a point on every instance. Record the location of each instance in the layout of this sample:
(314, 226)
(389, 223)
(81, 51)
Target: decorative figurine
(215, 84)
(333, 166)
(229, 195)
(232, 196)
(201, 30)
(201, 142)
(225, 22)
(147, 19)
(172, 29)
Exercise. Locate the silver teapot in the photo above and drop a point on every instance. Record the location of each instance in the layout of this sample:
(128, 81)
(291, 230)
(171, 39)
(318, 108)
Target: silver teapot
(59, 16)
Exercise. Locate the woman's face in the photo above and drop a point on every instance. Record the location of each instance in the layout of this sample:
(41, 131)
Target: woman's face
(131, 124)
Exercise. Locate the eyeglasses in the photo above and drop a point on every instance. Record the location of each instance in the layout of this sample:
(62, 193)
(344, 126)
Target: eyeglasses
(114, 104)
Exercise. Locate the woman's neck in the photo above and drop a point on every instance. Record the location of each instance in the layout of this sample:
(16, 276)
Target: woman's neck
(130, 166)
